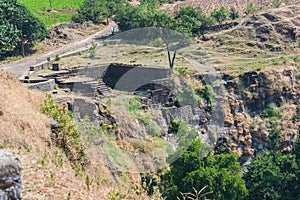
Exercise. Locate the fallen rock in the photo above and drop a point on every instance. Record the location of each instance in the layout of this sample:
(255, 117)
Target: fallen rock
(10, 176)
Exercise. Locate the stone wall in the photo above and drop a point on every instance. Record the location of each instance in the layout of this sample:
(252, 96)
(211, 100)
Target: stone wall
(44, 86)
(10, 177)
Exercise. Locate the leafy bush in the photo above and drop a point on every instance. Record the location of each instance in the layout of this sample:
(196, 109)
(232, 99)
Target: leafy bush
(233, 13)
(182, 70)
(251, 8)
(68, 137)
(207, 93)
(220, 14)
(271, 111)
(220, 173)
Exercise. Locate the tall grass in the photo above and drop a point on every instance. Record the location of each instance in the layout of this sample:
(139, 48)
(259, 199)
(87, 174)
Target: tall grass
(61, 10)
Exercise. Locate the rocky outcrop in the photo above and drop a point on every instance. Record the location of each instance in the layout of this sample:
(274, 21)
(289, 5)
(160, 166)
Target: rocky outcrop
(10, 177)
(248, 96)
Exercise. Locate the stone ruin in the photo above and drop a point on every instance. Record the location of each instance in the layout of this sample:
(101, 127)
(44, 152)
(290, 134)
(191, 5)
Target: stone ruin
(10, 176)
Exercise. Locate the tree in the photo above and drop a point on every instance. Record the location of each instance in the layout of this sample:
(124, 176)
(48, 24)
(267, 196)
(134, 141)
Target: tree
(9, 37)
(273, 175)
(97, 10)
(189, 20)
(30, 29)
(220, 14)
(220, 173)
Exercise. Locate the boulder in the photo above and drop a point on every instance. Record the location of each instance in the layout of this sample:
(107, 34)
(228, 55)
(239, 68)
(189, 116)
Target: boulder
(10, 176)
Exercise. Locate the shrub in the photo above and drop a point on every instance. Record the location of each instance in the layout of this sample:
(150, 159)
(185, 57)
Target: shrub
(251, 8)
(68, 137)
(233, 13)
(272, 111)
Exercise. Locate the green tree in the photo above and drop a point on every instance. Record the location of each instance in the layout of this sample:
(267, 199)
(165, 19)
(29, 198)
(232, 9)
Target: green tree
(97, 10)
(9, 37)
(273, 175)
(31, 30)
(142, 16)
(220, 173)
(189, 20)
(220, 14)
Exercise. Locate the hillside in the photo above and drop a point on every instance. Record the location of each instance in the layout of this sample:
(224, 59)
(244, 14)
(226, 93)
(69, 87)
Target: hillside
(239, 5)
(268, 39)
(122, 123)
(47, 173)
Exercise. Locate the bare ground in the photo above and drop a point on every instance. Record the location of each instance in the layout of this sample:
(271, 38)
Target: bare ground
(21, 67)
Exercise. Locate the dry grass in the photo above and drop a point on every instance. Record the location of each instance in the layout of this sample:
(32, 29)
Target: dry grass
(47, 173)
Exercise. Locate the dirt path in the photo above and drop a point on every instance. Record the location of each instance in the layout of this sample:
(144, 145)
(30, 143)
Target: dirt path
(21, 67)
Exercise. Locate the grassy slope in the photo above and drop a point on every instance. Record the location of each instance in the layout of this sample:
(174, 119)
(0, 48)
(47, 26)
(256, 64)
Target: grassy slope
(47, 173)
(62, 10)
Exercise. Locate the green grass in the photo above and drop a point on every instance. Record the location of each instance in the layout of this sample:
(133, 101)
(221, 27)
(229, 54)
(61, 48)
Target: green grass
(63, 8)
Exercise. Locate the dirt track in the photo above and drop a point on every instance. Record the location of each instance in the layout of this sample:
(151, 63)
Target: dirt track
(21, 67)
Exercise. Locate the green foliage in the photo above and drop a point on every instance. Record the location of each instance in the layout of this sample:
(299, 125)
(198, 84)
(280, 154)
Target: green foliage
(116, 195)
(190, 20)
(187, 20)
(135, 107)
(234, 14)
(57, 58)
(297, 115)
(220, 14)
(9, 37)
(220, 173)
(272, 111)
(296, 59)
(142, 16)
(63, 10)
(68, 137)
(92, 50)
(251, 8)
(19, 23)
(182, 70)
(277, 3)
(97, 10)
(207, 93)
(273, 175)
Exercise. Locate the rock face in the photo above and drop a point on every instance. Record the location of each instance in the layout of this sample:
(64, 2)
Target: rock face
(248, 96)
(10, 177)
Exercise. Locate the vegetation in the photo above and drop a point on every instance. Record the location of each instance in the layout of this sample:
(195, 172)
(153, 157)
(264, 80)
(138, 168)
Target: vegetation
(220, 14)
(20, 29)
(51, 12)
(221, 174)
(233, 13)
(273, 175)
(277, 3)
(97, 10)
(251, 8)
(68, 137)
(188, 20)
